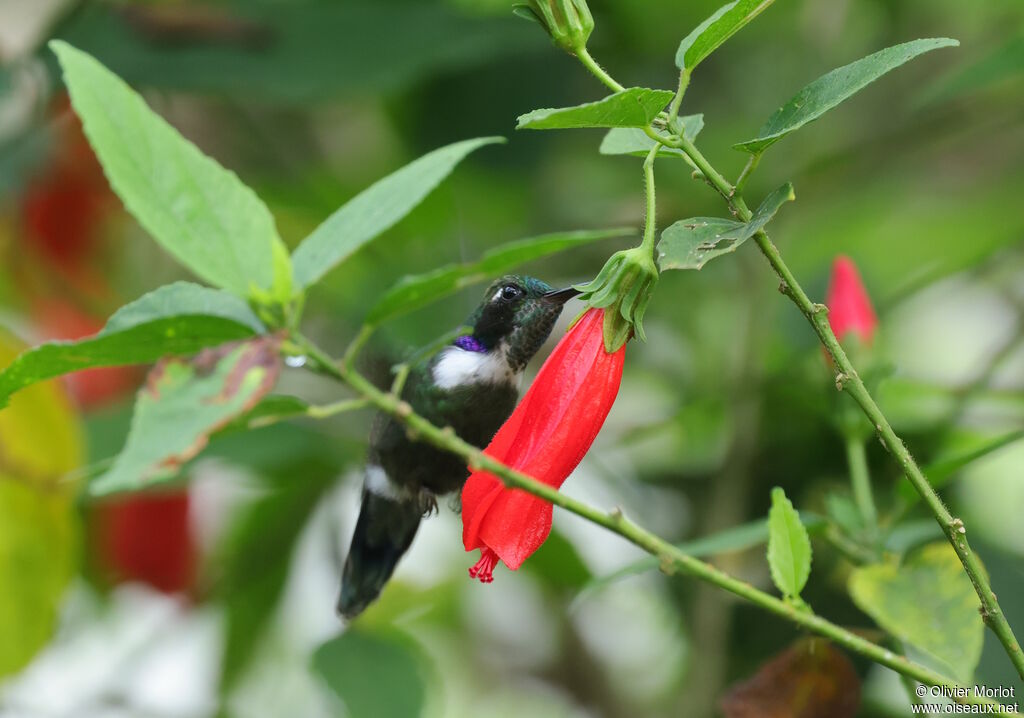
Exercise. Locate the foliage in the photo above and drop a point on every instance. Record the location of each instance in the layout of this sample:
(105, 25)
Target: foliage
(41, 440)
(726, 398)
(789, 547)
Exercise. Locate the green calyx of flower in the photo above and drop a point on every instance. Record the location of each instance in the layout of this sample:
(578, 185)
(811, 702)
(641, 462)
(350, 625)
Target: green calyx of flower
(623, 288)
(568, 22)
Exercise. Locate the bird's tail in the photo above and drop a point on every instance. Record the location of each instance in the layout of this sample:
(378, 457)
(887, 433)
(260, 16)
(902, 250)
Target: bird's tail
(384, 531)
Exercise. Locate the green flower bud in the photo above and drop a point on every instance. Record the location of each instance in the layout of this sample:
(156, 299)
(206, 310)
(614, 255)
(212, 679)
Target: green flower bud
(568, 22)
(624, 284)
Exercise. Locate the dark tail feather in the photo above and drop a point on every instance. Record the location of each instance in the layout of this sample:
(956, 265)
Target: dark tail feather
(384, 532)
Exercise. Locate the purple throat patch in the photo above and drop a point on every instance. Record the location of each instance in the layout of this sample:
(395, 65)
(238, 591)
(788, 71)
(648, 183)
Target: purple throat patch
(470, 344)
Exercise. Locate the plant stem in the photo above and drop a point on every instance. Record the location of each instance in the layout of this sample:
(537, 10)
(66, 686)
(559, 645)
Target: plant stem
(670, 557)
(673, 108)
(860, 482)
(324, 411)
(748, 170)
(650, 219)
(597, 71)
(848, 380)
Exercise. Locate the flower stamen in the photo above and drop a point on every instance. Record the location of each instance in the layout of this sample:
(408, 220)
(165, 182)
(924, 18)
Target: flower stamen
(484, 568)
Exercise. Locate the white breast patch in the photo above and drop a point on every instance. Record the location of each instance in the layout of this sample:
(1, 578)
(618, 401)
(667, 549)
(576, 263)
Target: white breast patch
(458, 367)
(376, 481)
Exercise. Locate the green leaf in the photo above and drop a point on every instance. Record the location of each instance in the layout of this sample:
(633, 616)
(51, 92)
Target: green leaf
(833, 88)
(635, 107)
(738, 538)
(789, 546)
(692, 243)
(559, 566)
(723, 24)
(258, 550)
(375, 675)
(37, 560)
(927, 602)
(182, 403)
(317, 53)
(40, 443)
(376, 209)
(415, 291)
(275, 405)
(198, 211)
(178, 318)
(634, 141)
(940, 472)
(1002, 64)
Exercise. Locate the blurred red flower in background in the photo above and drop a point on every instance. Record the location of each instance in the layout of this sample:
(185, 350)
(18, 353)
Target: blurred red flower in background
(546, 437)
(849, 307)
(147, 537)
(63, 216)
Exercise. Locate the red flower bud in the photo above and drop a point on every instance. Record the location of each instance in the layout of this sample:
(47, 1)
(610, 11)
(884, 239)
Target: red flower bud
(849, 307)
(546, 438)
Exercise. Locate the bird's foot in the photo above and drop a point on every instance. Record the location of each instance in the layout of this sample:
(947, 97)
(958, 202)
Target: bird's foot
(428, 502)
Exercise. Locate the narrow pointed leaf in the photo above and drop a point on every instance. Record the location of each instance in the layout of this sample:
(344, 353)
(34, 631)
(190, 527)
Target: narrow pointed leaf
(940, 472)
(789, 546)
(738, 538)
(258, 547)
(273, 406)
(374, 675)
(710, 34)
(178, 318)
(195, 209)
(415, 291)
(634, 141)
(182, 403)
(927, 602)
(833, 88)
(376, 209)
(635, 107)
(692, 243)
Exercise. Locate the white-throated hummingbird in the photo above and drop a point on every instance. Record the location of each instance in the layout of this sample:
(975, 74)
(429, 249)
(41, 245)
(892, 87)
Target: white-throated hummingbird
(472, 386)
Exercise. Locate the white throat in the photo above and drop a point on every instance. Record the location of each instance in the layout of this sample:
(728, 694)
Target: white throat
(456, 367)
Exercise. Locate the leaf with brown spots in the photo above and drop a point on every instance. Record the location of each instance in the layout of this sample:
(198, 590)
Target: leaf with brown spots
(183, 402)
(810, 679)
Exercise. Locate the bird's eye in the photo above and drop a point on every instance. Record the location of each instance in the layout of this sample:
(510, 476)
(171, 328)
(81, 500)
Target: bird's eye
(510, 292)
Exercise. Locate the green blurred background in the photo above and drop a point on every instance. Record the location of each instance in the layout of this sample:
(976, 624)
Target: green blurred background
(213, 596)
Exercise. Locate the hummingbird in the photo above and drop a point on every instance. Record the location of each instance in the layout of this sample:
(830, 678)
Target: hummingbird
(472, 385)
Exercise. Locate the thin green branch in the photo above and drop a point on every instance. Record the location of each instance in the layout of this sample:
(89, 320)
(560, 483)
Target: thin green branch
(324, 411)
(748, 169)
(671, 559)
(650, 218)
(860, 483)
(848, 380)
(349, 358)
(677, 100)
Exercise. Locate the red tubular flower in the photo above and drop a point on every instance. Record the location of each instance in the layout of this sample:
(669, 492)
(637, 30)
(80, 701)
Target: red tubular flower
(849, 307)
(546, 438)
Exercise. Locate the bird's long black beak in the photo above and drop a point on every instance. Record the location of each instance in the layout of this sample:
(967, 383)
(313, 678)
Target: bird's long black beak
(561, 296)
